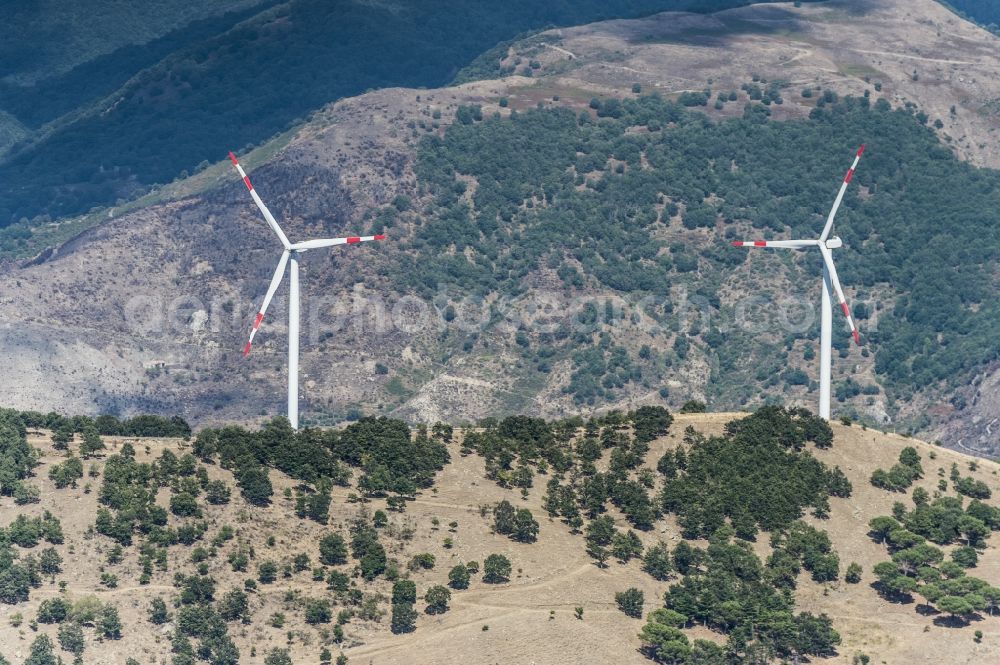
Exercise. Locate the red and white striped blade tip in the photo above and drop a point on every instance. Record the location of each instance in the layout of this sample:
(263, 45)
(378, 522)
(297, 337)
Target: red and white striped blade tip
(749, 243)
(857, 337)
(233, 157)
(353, 240)
(861, 150)
(246, 350)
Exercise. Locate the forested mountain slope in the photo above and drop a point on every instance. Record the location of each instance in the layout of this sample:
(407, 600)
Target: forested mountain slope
(984, 12)
(144, 114)
(556, 250)
(46, 37)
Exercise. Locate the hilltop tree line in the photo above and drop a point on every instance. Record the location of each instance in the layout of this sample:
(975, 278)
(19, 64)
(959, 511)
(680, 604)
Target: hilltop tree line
(393, 460)
(108, 425)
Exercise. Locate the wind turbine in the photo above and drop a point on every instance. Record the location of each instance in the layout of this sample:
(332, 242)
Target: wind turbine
(290, 255)
(831, 283)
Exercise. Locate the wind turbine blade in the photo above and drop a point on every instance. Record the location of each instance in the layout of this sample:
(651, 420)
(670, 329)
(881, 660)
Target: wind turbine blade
(260, 204)
(793, 244)
(279, 272)
(835, 280)
(329, 242)
(840, 195)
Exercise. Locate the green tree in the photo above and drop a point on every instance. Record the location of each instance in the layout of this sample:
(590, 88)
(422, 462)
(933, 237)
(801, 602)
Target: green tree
(973, 529)
(911, 458)
(656, 561)
(651, 422)
(853, 574)
(665, 644)
(318, 611)
(158, 613)
(217, 492)
(685, 557)
(54, 610)
(91, 443)
(373, 562)
(601, 530)
(238, 560)
(956, 606)
(332, 549)
(965, 556)
(525, 527)
(300, 562)
(184, 505)
(66, 473)
(600, 554)
(110, 625)
(880, 528)
(206, 445)
(255, 484)
(496, 569)
(437, 598)
(403, 619)
(49, 562)
(62, 436)
(404, 591)
(458, 577)
(912, 558)
(267, 572)
(630, 602)
(503, 518)
(71, 638)
(235, 605)
(626, 546)
(42, 652)
(893, 584)
(277, 656)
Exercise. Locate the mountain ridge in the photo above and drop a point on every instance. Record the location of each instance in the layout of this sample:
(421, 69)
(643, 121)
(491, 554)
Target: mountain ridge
(356, 157)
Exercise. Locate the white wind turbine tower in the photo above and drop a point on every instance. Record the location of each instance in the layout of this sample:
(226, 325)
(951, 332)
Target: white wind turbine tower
(290, 254)
(830, 283)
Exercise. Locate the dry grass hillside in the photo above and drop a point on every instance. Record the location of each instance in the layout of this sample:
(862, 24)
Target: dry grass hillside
(528, 620)
(148, 310)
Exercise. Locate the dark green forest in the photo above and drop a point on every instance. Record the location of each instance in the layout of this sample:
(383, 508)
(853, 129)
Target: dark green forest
(50, 98)
(556, 188)
(983, 12)
(215, 88)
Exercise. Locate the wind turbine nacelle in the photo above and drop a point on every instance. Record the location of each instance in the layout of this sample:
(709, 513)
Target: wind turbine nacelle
(834, 243)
